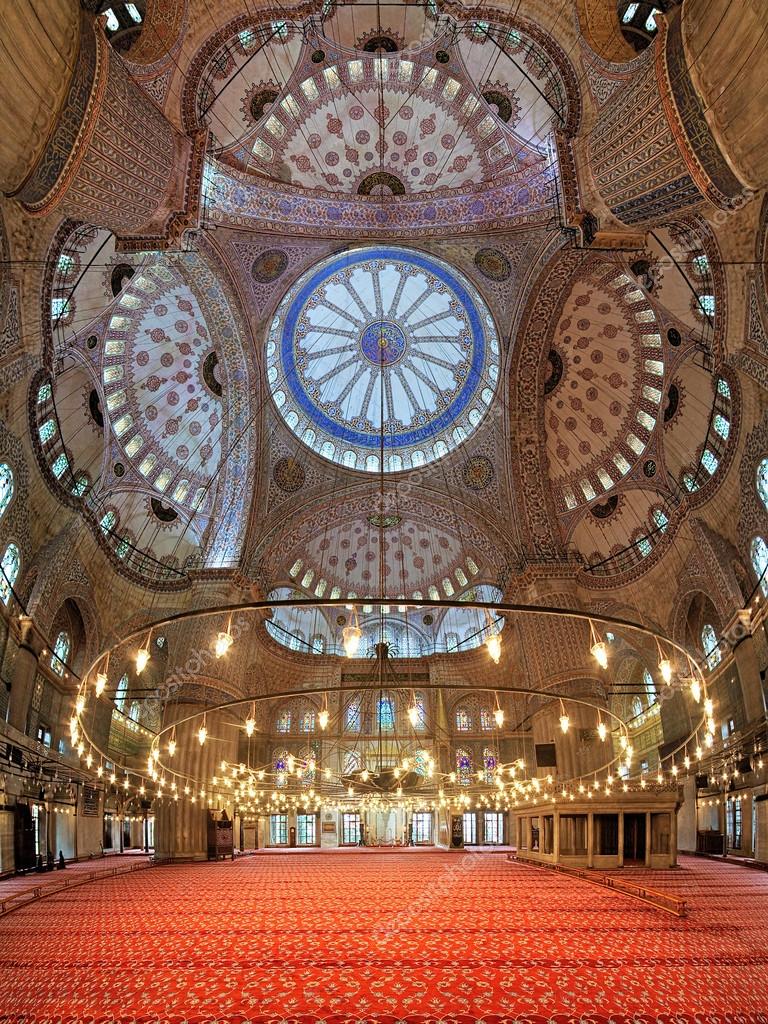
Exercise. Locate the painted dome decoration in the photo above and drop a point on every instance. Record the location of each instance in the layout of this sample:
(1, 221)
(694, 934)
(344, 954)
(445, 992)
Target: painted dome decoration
(382, 347)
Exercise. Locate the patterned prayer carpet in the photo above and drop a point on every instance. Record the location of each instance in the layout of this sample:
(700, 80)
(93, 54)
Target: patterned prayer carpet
(387, 938)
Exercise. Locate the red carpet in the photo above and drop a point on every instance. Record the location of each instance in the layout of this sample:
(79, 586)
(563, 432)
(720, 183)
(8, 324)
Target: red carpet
(434, 937)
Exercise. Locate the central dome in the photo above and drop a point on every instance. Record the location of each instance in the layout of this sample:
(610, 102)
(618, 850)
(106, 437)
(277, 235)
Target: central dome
(382, 348)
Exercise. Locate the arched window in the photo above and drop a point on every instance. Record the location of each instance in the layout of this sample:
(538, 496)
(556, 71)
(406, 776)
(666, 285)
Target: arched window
(308, 721)
(421, 714)
(759, 553)
(650, 686)
(352, 717)
(709, 645)
(486, 719)
(284, 721)
(60, 653)
(463, 721)
(463, 767)
(281, 768)
(121, 692)
(6, 486)
(489, 765)
(318, 643)
(351, 763)
(133, 712)
(762, 482)
(309, 770)
(637, 707)
(386, 714)
(10, 564)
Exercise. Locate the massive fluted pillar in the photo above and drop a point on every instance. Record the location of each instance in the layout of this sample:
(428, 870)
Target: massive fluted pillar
(658, 147)
(181, 824)
(79, 136)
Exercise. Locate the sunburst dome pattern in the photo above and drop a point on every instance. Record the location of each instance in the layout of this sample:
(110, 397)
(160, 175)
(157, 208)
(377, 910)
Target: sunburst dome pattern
(383, 349)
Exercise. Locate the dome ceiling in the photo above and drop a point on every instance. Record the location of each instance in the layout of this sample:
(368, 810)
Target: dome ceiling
(381, 122)
(382, 348)
(603, 384)
(162, 383)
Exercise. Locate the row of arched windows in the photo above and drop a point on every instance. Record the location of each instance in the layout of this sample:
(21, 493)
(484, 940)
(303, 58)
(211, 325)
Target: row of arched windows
(10, 563)
(464, 766)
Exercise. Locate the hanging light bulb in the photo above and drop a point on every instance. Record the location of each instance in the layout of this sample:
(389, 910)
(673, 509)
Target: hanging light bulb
(171, 746)
(100, 771)
(89, 759)
(322, 718)
(623, 742)
(602, 730)
(413, 715)
(142, 659)
(498, 714)
(493, 645)
(665, 668)
(696, 690)
(250, 725)
(709, 707)
(291, 762)
(708, 740)
(80, 704)
(202, 734)
(599, 652)
(101, 683)
(350, 639)
(224, 641)
(365, 775)
(565, 722)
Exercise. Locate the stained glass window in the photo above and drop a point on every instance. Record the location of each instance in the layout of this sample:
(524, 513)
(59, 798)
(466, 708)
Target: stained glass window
(463, 767)
(723, 387)
(709, 461)
(10, 570)
(486, 719)
(108, 521)
(421, 715)
(762, 483)
(47, 431)
(420, 765)
(284, 721)
(352, 716)
(661, 519)
(80, 485)
(309, 773)
(489, 765)
(59, 465)
(281, 768)
(133, 712)
(650, 686)
(60, 653)
(463, 721)
(308, 721)
(6, 486)
(709, 645)
(386, 714)
(759, 552)
(722, 426)
(121, 692)
(351, 763)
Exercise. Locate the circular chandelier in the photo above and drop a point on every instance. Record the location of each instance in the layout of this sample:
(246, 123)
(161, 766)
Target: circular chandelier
(412, 775)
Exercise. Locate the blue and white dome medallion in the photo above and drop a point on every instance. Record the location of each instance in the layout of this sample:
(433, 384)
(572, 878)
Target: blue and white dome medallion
(382, 336)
